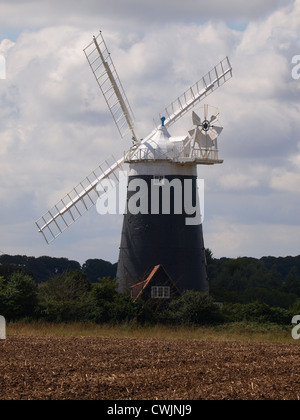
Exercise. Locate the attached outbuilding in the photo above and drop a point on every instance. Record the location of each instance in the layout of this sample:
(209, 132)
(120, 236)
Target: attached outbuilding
(157, 290)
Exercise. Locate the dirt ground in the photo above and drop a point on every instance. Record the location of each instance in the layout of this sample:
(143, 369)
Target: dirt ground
(33, 368)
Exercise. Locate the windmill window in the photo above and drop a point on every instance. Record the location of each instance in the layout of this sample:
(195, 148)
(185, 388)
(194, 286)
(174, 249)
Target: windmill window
(160, 292)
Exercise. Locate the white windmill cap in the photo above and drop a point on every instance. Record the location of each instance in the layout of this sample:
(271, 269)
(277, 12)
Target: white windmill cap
(158, 147)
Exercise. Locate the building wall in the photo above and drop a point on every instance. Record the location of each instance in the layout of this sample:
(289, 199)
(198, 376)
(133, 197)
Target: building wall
(151, 239)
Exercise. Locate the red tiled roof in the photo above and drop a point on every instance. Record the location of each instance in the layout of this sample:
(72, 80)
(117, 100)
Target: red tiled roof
(137, 289)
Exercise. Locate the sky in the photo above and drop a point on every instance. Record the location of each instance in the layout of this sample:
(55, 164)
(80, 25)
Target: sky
(55, 127)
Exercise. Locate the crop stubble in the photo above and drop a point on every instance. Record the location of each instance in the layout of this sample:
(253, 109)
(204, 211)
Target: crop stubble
(146, 369)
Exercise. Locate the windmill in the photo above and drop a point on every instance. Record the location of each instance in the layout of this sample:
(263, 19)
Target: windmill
(159, 232)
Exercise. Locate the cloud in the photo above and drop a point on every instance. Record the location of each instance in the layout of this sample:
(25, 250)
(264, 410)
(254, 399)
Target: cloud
(287, 179)
(55, 127)
(241, 240)
(131, 15)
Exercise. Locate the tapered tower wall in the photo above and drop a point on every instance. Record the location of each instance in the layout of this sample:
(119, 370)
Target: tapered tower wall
(151, 239)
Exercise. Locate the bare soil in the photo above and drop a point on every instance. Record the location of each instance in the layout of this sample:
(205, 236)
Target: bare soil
(35, 368)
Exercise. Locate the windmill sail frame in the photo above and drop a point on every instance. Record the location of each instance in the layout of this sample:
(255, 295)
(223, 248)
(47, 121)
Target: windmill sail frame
(110, 85)
(196, 93)
(78, 201)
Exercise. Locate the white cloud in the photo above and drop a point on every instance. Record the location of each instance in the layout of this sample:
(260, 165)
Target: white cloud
(227, 239)
(287, 179)
(238, 181)
(131, 15)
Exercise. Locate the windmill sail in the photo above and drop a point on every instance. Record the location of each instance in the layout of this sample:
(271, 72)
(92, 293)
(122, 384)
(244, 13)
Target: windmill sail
(200, 90)
(110, 85)
(78, 201)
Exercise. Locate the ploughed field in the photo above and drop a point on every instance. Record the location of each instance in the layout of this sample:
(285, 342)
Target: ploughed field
(33, 368)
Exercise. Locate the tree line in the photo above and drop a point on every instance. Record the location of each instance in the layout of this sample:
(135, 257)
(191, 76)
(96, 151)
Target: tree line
(265, 290)
(43, 268)
(269, 280)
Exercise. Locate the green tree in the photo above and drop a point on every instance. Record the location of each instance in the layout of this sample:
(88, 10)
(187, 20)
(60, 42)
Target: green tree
(192, 308)
(209, 256)
(20, 296)
(109, 306)
(295, 308)
(256, 312)
(3, 306)
(66, 297)
(292, 282)
(95, 269)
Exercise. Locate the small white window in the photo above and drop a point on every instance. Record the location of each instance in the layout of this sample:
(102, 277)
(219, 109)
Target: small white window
(160, 292)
